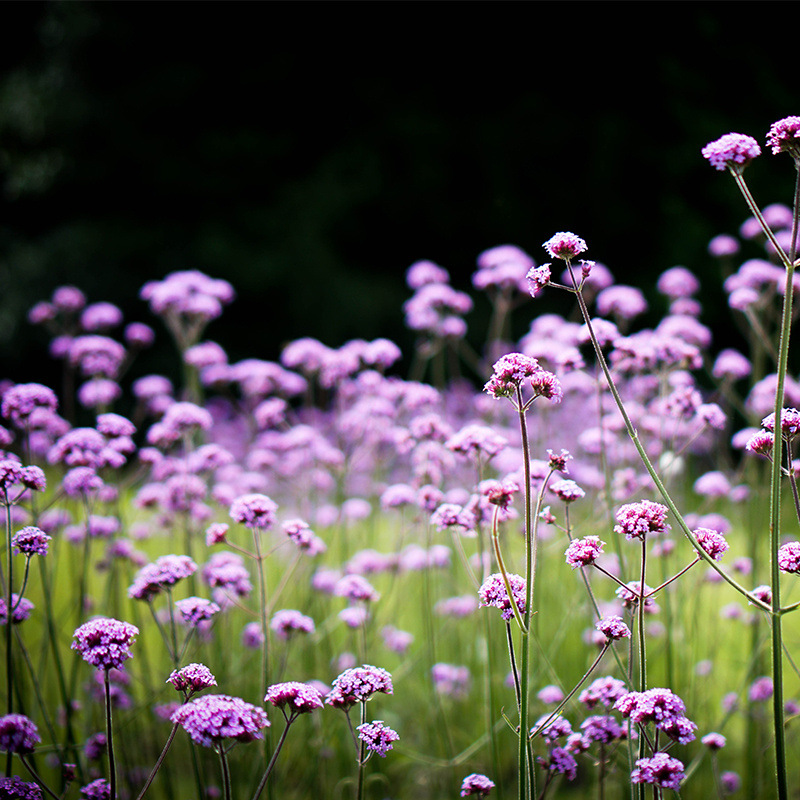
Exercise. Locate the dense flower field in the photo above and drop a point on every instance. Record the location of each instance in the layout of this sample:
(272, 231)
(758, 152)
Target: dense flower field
(316, 578)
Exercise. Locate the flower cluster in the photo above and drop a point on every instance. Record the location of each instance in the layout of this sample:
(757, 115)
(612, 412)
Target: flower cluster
(564, 245)
(104, 642)
(493, 593)
(300, 698)
(661, 707)
(659, 770)
(254, 511)
(789, 557)
(784, 136)
(377, 737)
(31, 541)
(733, 151)
(583, 552)
(166, 571)
(357, 685)
(15, 788)
(636, 520)
(476, 784)
(18, 734)
(214, 717)
(192, 678)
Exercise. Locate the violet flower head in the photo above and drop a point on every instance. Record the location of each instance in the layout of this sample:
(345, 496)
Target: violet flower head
(104, 642)
(192, 678)
(493, 593)
(254, 511)
(712, 542)
(356, 588)
(659, 770)
(784, 136)
(476, 784)
(561, 761)
(734, 151)
(551, 727)
(194, 610)
(790, 423)
(15, 788)
(299, 697)
(99, 789)
(18, 734)
(583, 552)
(22, 400)
(661, 707)
(567, 491)
(214, 717)
(357, 685)
(789, 558)
(301, 534)
(606, 690)
(21, 609)
(509, 372)
(377, 737)
(288, 621)
(603, 729)
(564, 245)
(546, 384)
(614, 628)
(714, 741)
(636, 520)
(761, 689)
(165, 572)
(538, 278)
(31, 541)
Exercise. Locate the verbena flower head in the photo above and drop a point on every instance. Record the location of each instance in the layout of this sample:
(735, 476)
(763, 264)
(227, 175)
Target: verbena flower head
(661, 707)
(613, 628)
(15, 788)
(551, 728)
(560, 761)
(212, 718)
(377, 737)
(538, 278)
(31, 541)
(99, 789)
(166, 571)
(636, 520)
(564, 245)
(18, 734)
(21, 609)
(192, 678)
(583, 552)
(790, 423)
(789, 558)
(254, 511)
(761, 689)
(476, 784)
(659, 770)
(493, 593)
(299, 697)
(20, 402)
(784, 136)
(567, 491)
(712, 542)
(104, 642)
(606, 690)
(733, 151)
(288, 621)
(357, 685)
(509, 372)
(714, 741)
(602, 728)
(195, 610)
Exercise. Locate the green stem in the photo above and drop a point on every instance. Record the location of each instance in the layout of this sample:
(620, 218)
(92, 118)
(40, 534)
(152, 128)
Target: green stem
(112, 767)
(272, 761)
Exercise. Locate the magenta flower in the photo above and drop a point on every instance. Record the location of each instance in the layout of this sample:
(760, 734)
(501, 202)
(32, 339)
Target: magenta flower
(714, 741)
(561, 761)
(192, 678)
(357, 685)
(605, 690)
(493, 593)
(14, 788)
(18, 734)
(21, 609)
(583, 552)
(214, 717)
(712, 542)
(288, 621)
(104, 642)
(784, 136)
(659, 770)
(377, 737)
(733, 151)
(31, 541)
(476, 784)
(509, 372)
(254, 511)
(165, 572)
(567, 491)
(299, 697)
(99, 789)
(564, 245)
(194, 610)
(636, 520)
(789, 557)
(538, 278)
(614, 628)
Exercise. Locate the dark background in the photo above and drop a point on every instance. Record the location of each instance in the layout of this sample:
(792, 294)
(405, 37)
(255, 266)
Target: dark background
(310, 152)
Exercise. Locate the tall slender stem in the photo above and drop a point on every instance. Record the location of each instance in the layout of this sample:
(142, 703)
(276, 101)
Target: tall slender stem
(112, 767)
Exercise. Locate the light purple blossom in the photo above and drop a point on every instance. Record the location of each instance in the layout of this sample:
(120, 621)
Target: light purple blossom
(14, 788)
(476, 784)
(712, 542)
(288, 621)
(377, 737)
(789, 557)
(299, 697)
(659, 770)
(493, 593)
(104, 642)
(784, 136)
(561, 761)
(761, 689)
(212, 718)
(583, 552)
(714, 741)
(192, 678)
(31, 541)
(165, 572)
(614, 628)
(564, 245)
(99, 789)
(636, 520)
(733, 151)
(254, 511)
(357, 685)
(194, 610)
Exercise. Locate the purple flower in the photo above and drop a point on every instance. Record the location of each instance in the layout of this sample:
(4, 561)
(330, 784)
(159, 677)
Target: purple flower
(214, 717)
(733, 151)
(545, 384)
(301, 534)
(659, 770)
(99, 789)
(287, 621)
(195, 610)
(137, 334)
(252, 636)
(254, 511)
(603, 729)
(712, 542)
(661, 707)
(550, 694)
(561, 761)
(476, 784)
(95, 746)
(192, 678)
(18, 734)
(21, 401)
(784, 136)
(761, 689)
(636, 520)
(583, 552)
(299, 697)
(227, 571)
(614, 628)
(21, 609)
(15, 788)
(677, 282)
(461, 606)
(493, 593)
(450, 679)
(730, 782)
(166, 571)
(356, 588)
(31, 541)
(564, 245)
(714, 741)
(568, 492)
(789, 557)
(551, 727)
(626, 302)
(357, 685)
(377, 737)
(104, 642)
(538, 278)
